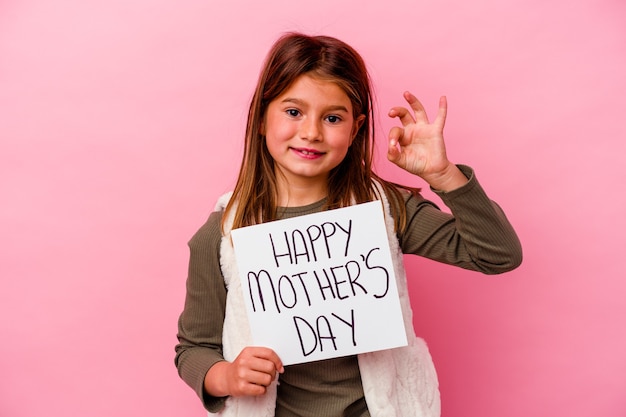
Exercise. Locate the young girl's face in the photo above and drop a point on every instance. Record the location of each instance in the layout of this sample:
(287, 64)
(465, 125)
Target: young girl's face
(308, 130)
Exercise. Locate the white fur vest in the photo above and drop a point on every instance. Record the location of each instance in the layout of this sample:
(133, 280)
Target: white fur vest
(399, 382)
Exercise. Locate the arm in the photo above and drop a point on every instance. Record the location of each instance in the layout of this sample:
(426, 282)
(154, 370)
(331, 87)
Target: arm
(477, 235)
(199, 352)
(201, 321)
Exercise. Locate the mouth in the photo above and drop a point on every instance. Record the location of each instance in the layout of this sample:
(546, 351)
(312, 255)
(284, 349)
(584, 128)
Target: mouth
(308, 153)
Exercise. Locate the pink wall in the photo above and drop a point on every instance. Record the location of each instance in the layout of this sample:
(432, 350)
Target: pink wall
(121, 122)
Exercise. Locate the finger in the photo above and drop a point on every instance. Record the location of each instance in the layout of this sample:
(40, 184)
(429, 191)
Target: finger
(403, 114)
(394, 152)
(253, 389)
(261, 378)
(249, 389)
(418, 108)
(272, 357)
(443, 112)
(396, 134)
(256, 373)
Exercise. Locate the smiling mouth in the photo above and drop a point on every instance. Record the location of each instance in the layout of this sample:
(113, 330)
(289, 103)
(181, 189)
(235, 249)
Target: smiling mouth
(308, 152)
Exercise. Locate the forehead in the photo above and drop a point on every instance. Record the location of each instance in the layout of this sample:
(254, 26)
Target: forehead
(315, 90)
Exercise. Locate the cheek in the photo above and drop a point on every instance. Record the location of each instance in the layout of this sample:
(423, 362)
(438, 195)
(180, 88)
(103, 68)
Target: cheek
(276, 138)
(343, 138)
(278, 130)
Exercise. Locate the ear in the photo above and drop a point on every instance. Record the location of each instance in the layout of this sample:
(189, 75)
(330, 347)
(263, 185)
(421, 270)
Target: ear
(356, 126)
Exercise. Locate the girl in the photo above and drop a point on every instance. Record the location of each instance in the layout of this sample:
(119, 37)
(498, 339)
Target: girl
(308, 147)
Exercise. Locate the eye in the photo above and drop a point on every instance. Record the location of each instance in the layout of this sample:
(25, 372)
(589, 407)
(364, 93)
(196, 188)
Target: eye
(293, 112)
(333, 118)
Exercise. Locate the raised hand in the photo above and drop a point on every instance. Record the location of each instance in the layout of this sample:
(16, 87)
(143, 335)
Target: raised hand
(418, 146)
(250, 373)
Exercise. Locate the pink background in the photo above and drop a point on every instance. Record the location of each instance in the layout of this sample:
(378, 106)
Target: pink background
(121, 122)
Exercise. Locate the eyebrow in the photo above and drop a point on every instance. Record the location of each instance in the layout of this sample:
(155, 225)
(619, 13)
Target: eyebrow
(337, 107)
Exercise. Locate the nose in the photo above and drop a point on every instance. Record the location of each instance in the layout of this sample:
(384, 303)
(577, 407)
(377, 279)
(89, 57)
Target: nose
(310, 130)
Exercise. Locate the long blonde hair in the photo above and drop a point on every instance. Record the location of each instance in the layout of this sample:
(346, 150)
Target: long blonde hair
(326, 58)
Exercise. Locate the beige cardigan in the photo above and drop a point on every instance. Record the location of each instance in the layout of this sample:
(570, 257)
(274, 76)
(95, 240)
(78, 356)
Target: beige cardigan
(399, 382)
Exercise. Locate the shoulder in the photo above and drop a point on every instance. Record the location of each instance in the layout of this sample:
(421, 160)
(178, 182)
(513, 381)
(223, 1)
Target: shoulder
(404, 197)
(210, 233)
(213, 226)
(221, 203)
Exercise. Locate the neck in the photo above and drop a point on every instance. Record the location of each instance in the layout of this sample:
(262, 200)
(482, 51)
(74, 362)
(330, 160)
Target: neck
(296, 195)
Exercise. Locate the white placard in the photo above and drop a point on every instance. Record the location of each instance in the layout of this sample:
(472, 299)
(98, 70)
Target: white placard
(322, 285)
